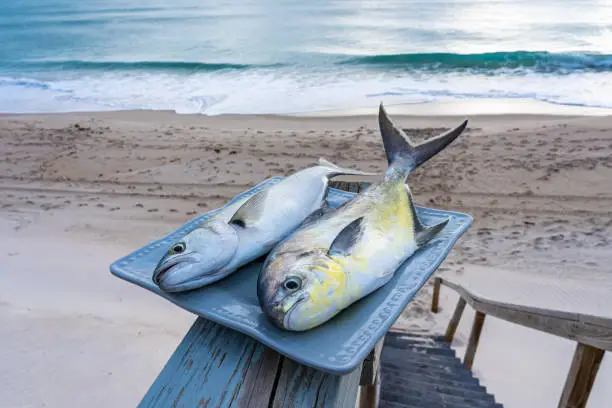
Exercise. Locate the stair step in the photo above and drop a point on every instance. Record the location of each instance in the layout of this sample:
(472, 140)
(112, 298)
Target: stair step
(417, 404)
(426, 389)
(426, 404)
(433, 371)
(412, 396)
(424, 336)
(409, 378)
(435, 394)
(401, 340)
(392, 353)
(422, 349)
(430, 375)
(415, 362)
(458, 388)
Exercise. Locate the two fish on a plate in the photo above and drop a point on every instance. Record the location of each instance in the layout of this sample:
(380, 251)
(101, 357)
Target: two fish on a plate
(321, 259)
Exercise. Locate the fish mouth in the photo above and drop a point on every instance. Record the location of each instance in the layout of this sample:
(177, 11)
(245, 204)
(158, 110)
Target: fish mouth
(286, 319)
(164, 266)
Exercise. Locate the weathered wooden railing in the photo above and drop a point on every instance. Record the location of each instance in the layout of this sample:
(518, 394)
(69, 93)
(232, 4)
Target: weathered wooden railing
(215, 366)
(593, 335)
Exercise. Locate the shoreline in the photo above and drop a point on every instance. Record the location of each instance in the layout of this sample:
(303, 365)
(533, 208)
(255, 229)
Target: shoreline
(473, 107)
(447, 108)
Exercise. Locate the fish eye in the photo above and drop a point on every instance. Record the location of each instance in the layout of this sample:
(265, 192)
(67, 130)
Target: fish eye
(293, 283)
(177, 248)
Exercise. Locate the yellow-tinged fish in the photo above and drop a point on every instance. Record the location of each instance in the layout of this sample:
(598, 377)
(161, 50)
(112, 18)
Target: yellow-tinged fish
(348, 252)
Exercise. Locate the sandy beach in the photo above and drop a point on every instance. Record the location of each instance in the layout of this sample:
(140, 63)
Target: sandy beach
(80, 190)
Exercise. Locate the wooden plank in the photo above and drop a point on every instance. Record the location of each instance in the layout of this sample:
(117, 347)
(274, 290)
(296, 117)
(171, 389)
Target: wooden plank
(589, 330)
(369, 395)
(571, 295)
(581, 376)
(259, 382)
(454, 322)
(301, 386)
(435, 300)
(470, 353)
(215, 366)
(208, 368)
(371, 364)
(569, 328)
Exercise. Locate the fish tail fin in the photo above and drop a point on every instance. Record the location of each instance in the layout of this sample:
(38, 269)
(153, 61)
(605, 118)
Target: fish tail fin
(403, 153)
(423, 233)
(336, 170)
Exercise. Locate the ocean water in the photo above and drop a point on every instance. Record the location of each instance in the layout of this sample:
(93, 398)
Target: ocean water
(293, 56)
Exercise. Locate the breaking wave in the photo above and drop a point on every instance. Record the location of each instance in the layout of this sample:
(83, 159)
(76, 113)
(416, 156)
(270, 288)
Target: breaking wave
(543, 62)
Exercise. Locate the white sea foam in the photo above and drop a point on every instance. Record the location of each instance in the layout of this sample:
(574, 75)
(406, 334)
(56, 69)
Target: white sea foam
(285, 91)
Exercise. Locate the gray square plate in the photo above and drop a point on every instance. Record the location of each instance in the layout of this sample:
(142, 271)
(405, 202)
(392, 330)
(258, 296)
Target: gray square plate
(337, 346)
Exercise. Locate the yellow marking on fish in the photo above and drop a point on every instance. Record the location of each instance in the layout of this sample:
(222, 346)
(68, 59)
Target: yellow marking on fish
(353, 262)
(329, 289)
(394, 212)
(285, 306)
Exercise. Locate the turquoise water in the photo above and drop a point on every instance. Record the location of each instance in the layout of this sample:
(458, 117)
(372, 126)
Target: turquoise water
(265, 56)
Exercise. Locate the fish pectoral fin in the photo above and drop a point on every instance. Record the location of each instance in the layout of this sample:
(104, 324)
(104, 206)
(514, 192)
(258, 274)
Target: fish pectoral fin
(426, 234)
(423, 234)
(251, 210)
(347, 238)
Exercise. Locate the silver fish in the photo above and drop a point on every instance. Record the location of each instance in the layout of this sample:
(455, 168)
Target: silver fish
(349, 252)
(245, 230)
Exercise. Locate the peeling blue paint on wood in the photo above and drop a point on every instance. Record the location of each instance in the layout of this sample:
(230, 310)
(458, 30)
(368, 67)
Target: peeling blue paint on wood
(301, 386)
(215, 366)
(207, 369)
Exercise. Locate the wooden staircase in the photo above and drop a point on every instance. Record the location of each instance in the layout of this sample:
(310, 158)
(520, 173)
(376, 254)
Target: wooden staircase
(423, 372)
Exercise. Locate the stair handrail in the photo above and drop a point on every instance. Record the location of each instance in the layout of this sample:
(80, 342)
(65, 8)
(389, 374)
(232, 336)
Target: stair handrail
(592, 333)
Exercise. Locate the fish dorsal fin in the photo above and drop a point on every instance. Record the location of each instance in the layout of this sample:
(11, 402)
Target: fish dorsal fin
(324, 162)
(423, 234)
(347, 238)
(251, 210)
